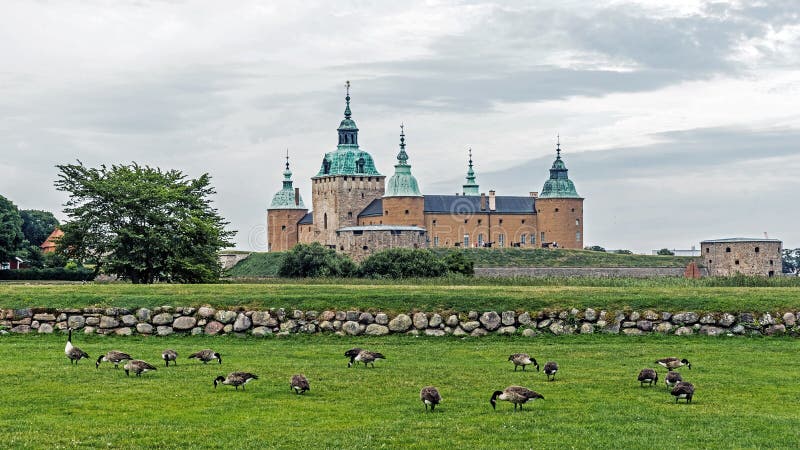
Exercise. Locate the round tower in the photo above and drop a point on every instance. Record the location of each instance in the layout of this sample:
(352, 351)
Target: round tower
(403, 203)
(284, 212)
(560, 209)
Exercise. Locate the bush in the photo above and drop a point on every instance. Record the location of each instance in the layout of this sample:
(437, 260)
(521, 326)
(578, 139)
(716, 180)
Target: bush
(62, 274)
(623, 252)
(314, 260)
(595, 248)
(459, 262)
(665, 252)
(403, 263)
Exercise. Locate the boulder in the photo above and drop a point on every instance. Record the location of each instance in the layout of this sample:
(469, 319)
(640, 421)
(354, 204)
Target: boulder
(164, 330)
(452, 321)
(709, 330)
(587, 328)
(351, 327)
(144, 328)
(775, 329)
(213, 327)
(708, 319)
(400, 323)
(374, 329)
(21, 329)
(472, 315)
(242, 323)
(76, 321)
(628, 324)
(650, 315)
(479, 332)
(634, 316)
(206, 312)
(490, 320)
(340, 316)
(45, 328)
(738, 329)
(297, 314)
(327, 315)
(129, 320)
(666, 316)
(789, 319)
(524, 319)
(124, 331)
(196, 331)
(664, 327)
(290, 326)
(686, 318)
(20, 314)
(436, 321)
(507, 330)
(459, 332)
(352, 316)
(381, 319)
(508, 318)
(727, 320)
(632, 332)
(326, 325)
(184, 323)
(434, 332)
(143, 315)
(225, 317)
(544, 323)
(644, 325)
(684, 331)
(470, 326)
(746, 318)
(308, 328)
(260, 318)
(556, 328)
(590, 315)
(366, 318)
(89, 330)
(766, 319)
(44, 317)
(108, 322)
(262, 331)
(162, 319)
(420, 321)
(227, 328)
(529, 332)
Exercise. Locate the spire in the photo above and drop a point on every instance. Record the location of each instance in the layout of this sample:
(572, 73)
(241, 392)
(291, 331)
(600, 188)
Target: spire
(470, 188)
(558, 185)
(558, 146)
(402, 157)
(285, 198)
(402, 183)
(287, 174)
(347, 99)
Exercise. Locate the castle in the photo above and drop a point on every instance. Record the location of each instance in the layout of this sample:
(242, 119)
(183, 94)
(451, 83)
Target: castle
(356, 211)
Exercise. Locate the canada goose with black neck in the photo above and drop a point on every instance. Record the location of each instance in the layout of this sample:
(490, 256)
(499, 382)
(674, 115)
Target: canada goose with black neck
(73, 353)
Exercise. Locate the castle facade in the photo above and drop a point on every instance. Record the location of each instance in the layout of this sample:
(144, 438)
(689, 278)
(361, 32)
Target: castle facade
(355, 210)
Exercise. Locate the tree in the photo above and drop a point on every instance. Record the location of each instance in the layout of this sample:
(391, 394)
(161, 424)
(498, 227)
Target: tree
(595, 248)
(791, 260)
(623, 252)
(665, 252)
(314, 260)
(403, 263)
(37, 225)
(11, 238)
(457, 261)
(141, 223)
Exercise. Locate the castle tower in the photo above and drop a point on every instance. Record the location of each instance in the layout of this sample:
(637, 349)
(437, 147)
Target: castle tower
(403, 203)
(471, 187)
(560, 208)
(284, 212)
(346, 182)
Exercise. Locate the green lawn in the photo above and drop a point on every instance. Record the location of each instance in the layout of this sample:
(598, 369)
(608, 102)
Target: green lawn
(404, 297)
(746, 394)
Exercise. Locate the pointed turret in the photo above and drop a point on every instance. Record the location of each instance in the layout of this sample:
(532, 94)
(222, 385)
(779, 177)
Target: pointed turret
(284, 212)
(559, 185)
(285, 198)
(560, 208)
(471, 187)
(402, 183)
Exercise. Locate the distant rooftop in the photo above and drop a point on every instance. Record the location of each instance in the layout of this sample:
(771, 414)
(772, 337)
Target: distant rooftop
(739, 239)
(382, 228)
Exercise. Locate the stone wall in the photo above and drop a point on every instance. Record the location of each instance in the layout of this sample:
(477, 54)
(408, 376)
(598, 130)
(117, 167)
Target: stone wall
(751, 257)
(633, 272)
(167, 320)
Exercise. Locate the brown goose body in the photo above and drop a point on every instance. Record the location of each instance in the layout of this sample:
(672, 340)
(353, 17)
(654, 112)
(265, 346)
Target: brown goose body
(169, 355)
(299, 384)
(673, 362)
(523, 359)
(352, 353)
(235, 379)
(517, 395)
(683, 390)
(206, 355)
(430, 397)
(73, 353)
(550, 369)
(367, 357)
(114, 356)
(648, 376)
(672, 379)
(138, 367)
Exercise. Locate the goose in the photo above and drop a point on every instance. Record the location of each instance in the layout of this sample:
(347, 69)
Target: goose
(72, 352)
(235, 379)
(138, 367)
(367, 357)
(299, 383)
(523, 359)
(683, 390)
(114, 356)
(648, 376)
(517, 395)
(169, 355)
(672, 379)
(673, 362)
(550, 369)
(352, 353)
(206, 356)
(430, 396)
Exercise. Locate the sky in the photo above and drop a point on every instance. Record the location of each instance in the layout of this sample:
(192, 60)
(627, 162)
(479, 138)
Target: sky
(679, 120)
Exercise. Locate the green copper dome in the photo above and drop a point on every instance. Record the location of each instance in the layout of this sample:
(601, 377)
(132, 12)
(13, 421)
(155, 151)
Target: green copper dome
(284, 199)
(471, 187)
(402, 183)
(559, 185)
(348, 158)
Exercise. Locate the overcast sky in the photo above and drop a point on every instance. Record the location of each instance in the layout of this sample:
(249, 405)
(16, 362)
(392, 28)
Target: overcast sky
(677, 123)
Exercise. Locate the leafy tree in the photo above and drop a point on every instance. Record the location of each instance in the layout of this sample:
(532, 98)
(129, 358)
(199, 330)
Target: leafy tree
(791, 260)
(595, 248)
(11, 237)
(623, 252)
(403, 263)
(457, 261)
(314, 260)
(665, 252)
(141, 223)
(37, 225)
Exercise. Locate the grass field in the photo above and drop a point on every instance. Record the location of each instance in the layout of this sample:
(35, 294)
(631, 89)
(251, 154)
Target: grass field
(746, 394)
(403, 297)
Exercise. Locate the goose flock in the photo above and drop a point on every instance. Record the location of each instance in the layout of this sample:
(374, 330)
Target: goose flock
(429, 395)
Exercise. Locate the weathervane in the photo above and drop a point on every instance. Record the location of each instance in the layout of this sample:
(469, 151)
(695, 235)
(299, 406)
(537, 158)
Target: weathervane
(347, 87)
(287, 159)
(558, 145)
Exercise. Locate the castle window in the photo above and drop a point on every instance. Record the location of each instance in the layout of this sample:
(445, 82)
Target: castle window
(709, 261)
(757, 249)
(708, 249)
(395, 232)
(736, 262)
(541, 237)
(556, 209)
(500, 221)
(522, 239)
(501, 240)
(326, 167)
(533, 239)
(770, 262)
(365, 248)
(578, 236)
(577, 222)
(358, 232)
(283, 227)
(434, 222)
(523, 221)
(466, 220)
(466, 240)
(539, 210)
(325, 220)
(573, 209)
(341, 247)
(479, 221)
(727, 249)
(360, 165)
(436, 241)
(480, 240)
(349, 214)
(386, 213)
(362, 195)
(406, 211)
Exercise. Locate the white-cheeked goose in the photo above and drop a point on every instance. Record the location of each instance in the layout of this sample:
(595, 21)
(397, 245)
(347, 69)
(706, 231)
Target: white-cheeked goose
(648, 376)
(73, 353)
(683, 390)
(673, 362)
(206, 356)
(430, 397)
(299, 384)
(523, 359)
(550, 369)
(169, 355)
(517, 395)
(235, 379)
(114, 356)
(138, 367)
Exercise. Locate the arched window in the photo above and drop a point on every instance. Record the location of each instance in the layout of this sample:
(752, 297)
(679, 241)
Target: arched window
(360, 165)
(326, 166)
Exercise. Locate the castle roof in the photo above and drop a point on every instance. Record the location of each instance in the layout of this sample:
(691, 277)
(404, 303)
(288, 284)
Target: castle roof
(308, 219)
(559, 185)
(382, 228)
(402, 183)
(284, 199)
(463, 205)
(738, 239)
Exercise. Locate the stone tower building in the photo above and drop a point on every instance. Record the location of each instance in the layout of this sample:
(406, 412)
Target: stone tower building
(346, 183)
(403, 203)
(746, 256)
(283, 214)
(560, 208)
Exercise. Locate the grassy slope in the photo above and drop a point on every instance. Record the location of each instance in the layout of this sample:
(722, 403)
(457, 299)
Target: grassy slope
(659, 295)
(517, 257)
(741, 401)
(257, 265)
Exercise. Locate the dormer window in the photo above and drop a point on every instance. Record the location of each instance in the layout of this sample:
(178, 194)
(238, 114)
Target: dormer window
(360, 165)
(326, 166)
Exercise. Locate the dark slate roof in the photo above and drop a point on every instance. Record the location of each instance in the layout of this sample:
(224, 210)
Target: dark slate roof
(738, 239)
(471, 204)
(308, 219)
(373, 209)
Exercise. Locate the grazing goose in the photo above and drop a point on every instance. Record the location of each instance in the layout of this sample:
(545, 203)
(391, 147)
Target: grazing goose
(672, 379)
(683, 390)
(673, 362)
(138, 367)
(206, 356)
(235, 379)
(517, 395)
(169, 355)
(367, 357)
(114, 356)
(523, 359)
(299, 383)
(430, 397)
(648, 376)
(72, 352)
(352, 353)
(550, 370)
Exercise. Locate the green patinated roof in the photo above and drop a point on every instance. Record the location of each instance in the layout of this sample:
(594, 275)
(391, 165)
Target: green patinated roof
(284, 199)
(402, 183)
(471, 187)
(559, 185)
